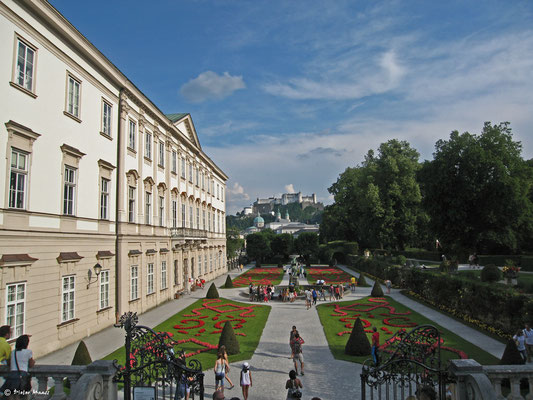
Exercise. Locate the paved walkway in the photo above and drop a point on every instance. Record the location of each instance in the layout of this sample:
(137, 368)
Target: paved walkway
(324, 377)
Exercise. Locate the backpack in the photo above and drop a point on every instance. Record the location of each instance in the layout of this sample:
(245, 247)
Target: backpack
(294, 392)
(297, 346)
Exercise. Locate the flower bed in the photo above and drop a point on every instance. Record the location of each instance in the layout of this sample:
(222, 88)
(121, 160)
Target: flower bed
(197, 328)
(332, 275)
(259, 276)
(389, 317)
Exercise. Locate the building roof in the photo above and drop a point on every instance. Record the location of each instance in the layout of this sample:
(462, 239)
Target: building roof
(176, 116)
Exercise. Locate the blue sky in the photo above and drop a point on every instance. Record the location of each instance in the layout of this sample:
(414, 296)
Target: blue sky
(286, 94)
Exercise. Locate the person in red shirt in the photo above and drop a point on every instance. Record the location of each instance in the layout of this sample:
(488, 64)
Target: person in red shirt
(375, 345)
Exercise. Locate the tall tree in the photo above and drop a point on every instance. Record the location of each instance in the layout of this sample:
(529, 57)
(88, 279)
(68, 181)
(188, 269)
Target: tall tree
(257, 246)
(306, 244)
(282, 245)
(476, 191)
(378, 203)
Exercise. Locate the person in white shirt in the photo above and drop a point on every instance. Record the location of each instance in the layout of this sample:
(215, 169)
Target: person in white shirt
(528, 333)
(520, 341)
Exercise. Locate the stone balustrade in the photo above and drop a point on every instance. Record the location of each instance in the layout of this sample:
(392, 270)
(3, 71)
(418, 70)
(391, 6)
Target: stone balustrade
(475, 381)
(91, 382)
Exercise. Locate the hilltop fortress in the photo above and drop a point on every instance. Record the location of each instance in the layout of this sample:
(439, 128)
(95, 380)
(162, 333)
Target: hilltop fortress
(265, 206)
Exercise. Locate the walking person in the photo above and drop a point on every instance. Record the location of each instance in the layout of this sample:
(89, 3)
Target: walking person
(246, 380)
(20, 362)
(388, 284)
(293, 386)
(297, 343)
(520, 341)
(308, 298)
(331, 292)
(315, 296)
(291, 338)
(375, 346)
(322, 294)
(528, 334)
(352, 284)
(222, 350)
(220, 372)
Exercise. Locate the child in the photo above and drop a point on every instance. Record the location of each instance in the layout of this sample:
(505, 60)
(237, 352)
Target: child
(246, 379)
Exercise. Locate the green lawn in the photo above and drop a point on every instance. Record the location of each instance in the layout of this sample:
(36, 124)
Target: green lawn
(332, 326)
(253, 322)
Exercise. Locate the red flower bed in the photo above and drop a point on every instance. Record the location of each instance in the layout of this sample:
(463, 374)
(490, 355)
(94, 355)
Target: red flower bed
(201, 321)
(259, 276)
(331, 275)
(393, 319)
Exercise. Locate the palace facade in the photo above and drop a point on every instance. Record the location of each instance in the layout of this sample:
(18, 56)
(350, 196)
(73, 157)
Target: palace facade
(109, 204)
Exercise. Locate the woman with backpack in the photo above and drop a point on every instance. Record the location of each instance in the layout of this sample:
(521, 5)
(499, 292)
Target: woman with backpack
(293, 386)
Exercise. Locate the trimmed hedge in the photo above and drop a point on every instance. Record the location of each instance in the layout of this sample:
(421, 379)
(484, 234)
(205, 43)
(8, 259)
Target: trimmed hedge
(377, 291)
(491, 273)
(501, 309)
(228, 339)
(212, 292)
(511, 355)
(523, 261)
(357, 344)
(361, 281)
(229, 283)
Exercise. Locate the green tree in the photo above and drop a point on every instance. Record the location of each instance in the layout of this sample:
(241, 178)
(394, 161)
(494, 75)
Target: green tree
(377, 204)
(233, 242)
(306, 244)
(282, 245)
(476, 191)
(257, 246)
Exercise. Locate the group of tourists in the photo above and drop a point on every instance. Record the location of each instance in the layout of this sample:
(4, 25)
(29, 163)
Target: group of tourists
(288, 294)
(19, 360)
(261, 293)
(295, 270)
(524, 343)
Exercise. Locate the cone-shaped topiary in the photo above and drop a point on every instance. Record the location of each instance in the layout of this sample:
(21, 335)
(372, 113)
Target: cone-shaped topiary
(212, 292)
(361, 281)
(82, 356)
(228, 339)
(511, 355)
(377, 291)
(357, 344)
(229, 283)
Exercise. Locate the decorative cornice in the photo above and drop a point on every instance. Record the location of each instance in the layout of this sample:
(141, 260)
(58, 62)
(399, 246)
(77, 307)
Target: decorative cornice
(19, 129)
(65, 148)
(105, 164)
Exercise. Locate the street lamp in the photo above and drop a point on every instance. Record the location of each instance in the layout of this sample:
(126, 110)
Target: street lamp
(97, 269)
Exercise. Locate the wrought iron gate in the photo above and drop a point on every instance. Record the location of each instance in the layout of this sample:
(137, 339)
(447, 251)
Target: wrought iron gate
(411, 364)
(151, 365)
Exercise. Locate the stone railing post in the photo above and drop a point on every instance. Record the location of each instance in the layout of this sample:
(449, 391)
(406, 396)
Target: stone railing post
(471, 380)
(96, 383)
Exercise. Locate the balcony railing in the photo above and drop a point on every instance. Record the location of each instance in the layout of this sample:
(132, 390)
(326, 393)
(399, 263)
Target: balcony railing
(188, 234)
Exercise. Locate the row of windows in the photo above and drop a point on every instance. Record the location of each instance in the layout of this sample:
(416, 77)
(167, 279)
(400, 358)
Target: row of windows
(195, 174)
(209, 221)
(214, 262)
(16, 296)
(24, 74)
(18, 186)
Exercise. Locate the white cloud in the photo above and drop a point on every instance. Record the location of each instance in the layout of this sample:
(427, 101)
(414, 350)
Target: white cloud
(209, 85)
(289, 188)
(227, 127)
(236, 192)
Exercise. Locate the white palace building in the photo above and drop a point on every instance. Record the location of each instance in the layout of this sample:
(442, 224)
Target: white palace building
(109, 205)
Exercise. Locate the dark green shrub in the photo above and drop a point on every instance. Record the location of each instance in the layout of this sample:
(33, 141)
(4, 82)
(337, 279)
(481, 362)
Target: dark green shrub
(228, 339)
(491, 273)
(362, 281)
(81, 356)
(401, 260)
(511, 355)
(212, 292)
(229, 283)
(469, 275)
(377, 291)
(357, 344)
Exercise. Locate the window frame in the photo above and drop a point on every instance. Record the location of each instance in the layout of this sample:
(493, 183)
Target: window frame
(164, 281)
(106, 120)
(147, 208)
(174, 213)
(161, 160)
(161, 211)
(73, 110)
(104, 195)
(66, 306)
(183, 168)
(104, 289)
(15, 73)
(131, 203)
(19, 173)
(148, 145)
(183, 215)
(132, 134)
(14, 303)
(134, 282)
(150, 281)
(174, 167)
(73, 185)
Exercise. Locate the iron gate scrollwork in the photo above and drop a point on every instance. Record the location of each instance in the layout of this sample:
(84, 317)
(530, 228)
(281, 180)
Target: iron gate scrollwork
(150, 361)
(411, 363)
